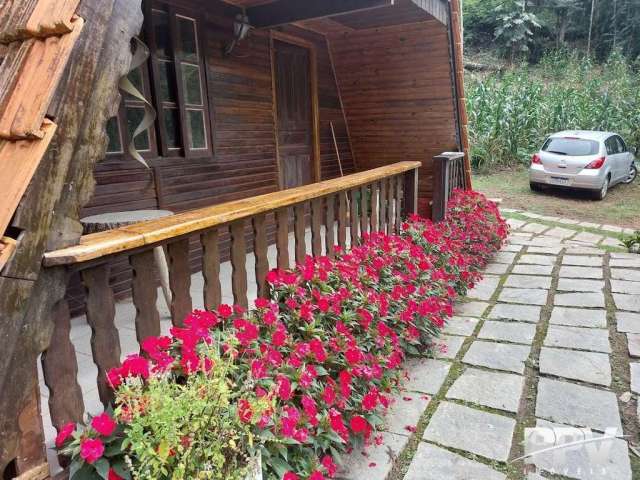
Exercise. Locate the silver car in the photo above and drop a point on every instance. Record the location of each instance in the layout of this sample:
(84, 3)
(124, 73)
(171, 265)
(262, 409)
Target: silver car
(581, 159)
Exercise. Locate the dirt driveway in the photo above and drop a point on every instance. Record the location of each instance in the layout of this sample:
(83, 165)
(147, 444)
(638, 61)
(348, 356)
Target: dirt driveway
(620, 207)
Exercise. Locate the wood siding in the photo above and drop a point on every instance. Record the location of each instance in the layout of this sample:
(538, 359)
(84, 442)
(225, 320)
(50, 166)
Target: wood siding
(396, 86)
(244, 161)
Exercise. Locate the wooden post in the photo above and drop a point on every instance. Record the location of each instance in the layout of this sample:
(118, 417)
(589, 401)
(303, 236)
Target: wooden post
(441, 179)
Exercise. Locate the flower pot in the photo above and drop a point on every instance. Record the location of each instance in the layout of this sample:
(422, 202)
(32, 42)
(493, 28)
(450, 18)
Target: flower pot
(255, 468)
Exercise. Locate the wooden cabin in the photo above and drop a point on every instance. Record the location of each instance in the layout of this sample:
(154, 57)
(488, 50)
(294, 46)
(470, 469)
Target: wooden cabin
(247, 120)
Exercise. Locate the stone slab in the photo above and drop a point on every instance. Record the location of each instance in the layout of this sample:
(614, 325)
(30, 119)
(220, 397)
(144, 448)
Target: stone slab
(635, 377)
(497, 356)
(578, 317)
(625, 274)
(611, 242)
(625, 262)
(485, 288)
(545, 250)
(588, 237)
(497, 268)
(514, 223)
(448, 346)
(623, 255)
(612, 228)
(526, 269)
(504, 257)
(515, 332)
(528, 281)
(426, 375)
(576, 405)
(522, 313)
(628, 322)
(588, 367)
(580, 299)
(589, 225)
(622, 286)
(568, 221)
(580, 285)
(470, 308)
(498, 390)
(577, 338)
(405, 411)
(537, 259)
(512, 248)
(568, 271)
(560, 232)
(377, 463)
(527, 296)
(582, 249)
(576, 461)
(583, 260)
(534, 227)
(434, 463)
(461, 326)
(633, 343)
(471, 430)
(627, 302)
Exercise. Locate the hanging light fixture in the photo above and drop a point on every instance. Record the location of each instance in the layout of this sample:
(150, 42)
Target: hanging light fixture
(241, 27)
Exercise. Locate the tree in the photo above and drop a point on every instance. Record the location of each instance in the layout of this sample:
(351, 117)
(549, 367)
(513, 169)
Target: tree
(515, 27)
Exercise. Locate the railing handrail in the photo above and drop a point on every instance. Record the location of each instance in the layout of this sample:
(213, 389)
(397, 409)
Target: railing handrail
(153, 232)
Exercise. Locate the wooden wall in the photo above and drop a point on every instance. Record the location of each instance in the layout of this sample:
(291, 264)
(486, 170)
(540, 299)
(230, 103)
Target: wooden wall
(396, 86)
(244, 161)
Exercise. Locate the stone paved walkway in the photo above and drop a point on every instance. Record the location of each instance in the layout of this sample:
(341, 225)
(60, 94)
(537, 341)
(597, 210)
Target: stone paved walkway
(548, 339)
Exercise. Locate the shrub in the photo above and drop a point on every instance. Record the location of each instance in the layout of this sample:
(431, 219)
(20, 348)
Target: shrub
(314, 365)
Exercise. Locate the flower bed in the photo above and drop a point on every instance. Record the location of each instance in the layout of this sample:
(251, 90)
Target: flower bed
(304, 376)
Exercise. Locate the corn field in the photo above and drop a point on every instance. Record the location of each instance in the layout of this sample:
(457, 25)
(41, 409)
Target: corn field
(512, 112)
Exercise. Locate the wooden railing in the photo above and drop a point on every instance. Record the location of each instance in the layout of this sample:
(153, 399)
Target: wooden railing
(363, 202)
(448, 174)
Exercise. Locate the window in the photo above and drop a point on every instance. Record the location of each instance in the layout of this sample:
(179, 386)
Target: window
(121, 127)
(177, 81)
(622, 147)
(571, 146)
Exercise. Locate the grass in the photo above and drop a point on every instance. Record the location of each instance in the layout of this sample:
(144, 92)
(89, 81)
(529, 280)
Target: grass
(621, 206)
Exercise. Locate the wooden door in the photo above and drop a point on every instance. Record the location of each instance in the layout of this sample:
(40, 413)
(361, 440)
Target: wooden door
(294, 113)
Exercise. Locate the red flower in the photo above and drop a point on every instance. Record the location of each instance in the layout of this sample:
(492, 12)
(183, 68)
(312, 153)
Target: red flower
(91, 449)
(258, 369)
(359, 424)
(329, 465)
(225, 311)
(329, 395)
(64, 434)
(103, 424)
(113, 475)
(290, 476)
(316, 476)
(370, 400)
(284, 387)
(245, 413)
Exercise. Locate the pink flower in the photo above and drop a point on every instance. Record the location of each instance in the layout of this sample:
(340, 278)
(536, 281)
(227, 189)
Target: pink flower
(284, 387)
(358, 424)
(91, 449)
(245, 413)
(316, 476)
(103, 424)
(64, 434)
(258, 369)
(329, 465)
(370, 400)
(290, 476)
(225, 311)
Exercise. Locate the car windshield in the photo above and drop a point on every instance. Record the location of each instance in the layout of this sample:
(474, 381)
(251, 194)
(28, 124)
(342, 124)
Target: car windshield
(571, 146)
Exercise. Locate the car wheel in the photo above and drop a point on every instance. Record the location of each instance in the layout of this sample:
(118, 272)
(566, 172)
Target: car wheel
(536, 187)
(633, 173)
(600, 194)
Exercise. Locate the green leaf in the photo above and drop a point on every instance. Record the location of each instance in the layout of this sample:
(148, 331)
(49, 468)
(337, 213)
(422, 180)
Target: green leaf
(102, 467)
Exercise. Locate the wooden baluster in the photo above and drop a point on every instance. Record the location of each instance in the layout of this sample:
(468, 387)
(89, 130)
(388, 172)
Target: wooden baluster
(399, 196)
(212, 290)
(364, 209)
(390, 207)
(282, 237)
(383, 205)
(410, 189)
(299, 232)
(238, 264)
(145, 295)
(316, 230)
(60, 369)
(179, 280)
(260, 247)
(329, 222)
(375, 202)
(353, 217)
(101, 313)
(342, 219)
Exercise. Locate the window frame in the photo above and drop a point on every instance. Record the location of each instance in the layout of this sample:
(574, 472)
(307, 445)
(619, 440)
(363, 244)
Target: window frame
(178, 60)
(121, 122)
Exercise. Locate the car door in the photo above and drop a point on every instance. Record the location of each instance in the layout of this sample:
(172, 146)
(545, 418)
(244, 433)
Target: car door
(626, 157)
(613, 158)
